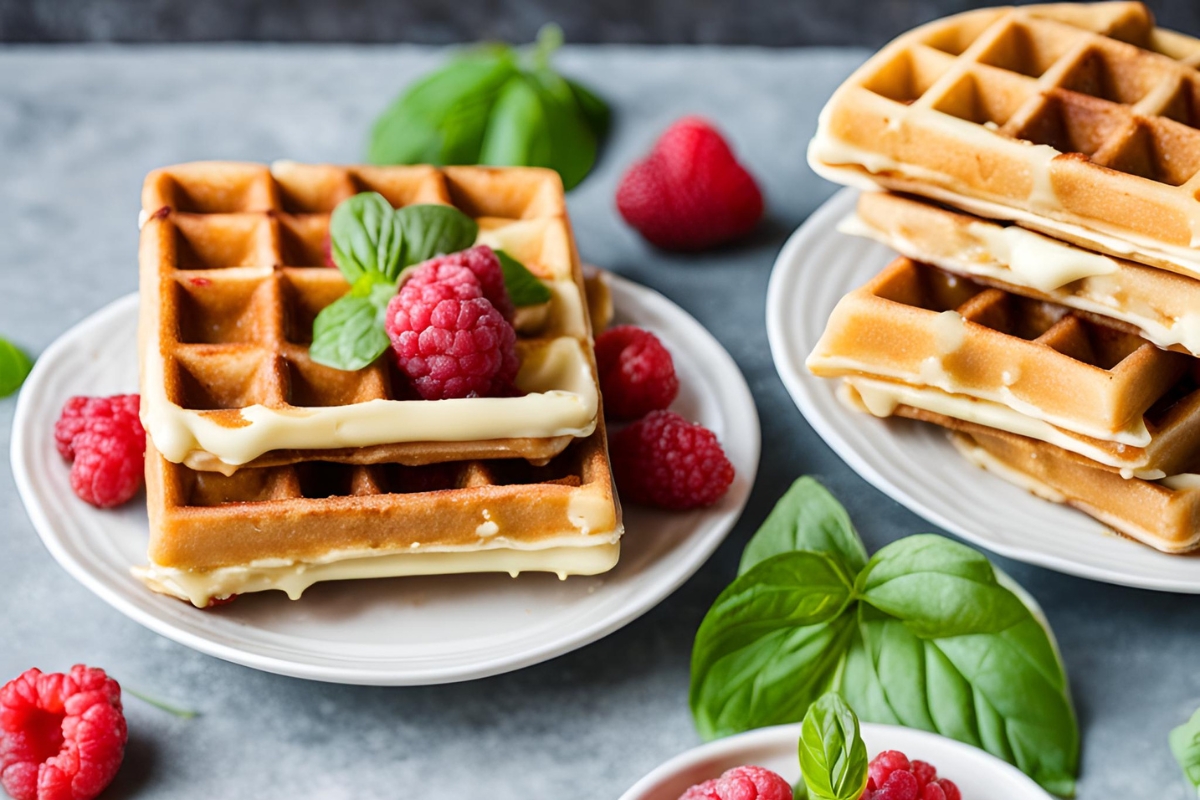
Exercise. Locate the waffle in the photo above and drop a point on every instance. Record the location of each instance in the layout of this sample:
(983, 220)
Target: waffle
(1163, 514)
(916, 336)
(290, 526)
(1077, 120)
(1159, 306)
(231, 280)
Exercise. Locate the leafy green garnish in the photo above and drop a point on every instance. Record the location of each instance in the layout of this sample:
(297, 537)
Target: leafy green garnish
(365, 237)
(349, 333)
(14, 367)
(434, 230)
(493, 105)
(1185, 745)
(923, 635)
(524, 288)
(833, 756)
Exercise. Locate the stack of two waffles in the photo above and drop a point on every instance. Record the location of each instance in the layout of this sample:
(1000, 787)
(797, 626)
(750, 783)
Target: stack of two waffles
(266, 470)
(1042, 173)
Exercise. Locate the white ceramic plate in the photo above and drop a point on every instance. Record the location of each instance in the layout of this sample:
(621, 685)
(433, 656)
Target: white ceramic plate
(915, 463)
(384, 632)
(979, 775)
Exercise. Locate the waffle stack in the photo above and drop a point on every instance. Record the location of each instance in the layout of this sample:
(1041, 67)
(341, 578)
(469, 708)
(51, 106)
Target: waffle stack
(1040, 176)
(266, 470)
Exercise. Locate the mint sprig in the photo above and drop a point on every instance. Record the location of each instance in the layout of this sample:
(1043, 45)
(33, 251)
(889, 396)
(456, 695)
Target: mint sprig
(1185, 746)
(14, 367)
(373, 245)
(924, 634)
(833, 755)
(496, 105)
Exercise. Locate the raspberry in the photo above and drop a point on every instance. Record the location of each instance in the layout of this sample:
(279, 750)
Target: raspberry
(924, 772)
(105, 441)
(950, 789)
(900, 785)
(742, 783)
(637, 375)
(932, 791)
(484, 265)
(663, 460)
(62, 737)
(690, 193)
(885, 763)
(447, 337)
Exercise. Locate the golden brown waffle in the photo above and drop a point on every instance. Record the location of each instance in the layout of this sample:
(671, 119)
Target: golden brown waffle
(290, 526)
(1076, 119)
(1162, 307)
(1163, 514)
(232, 278)
(919, 325)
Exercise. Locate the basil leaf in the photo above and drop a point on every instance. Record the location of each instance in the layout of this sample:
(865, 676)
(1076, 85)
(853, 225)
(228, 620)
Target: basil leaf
(349, 333)
(573, 144)
(365, 237)
(434, 230)
(1185, 745)
(518, 132)
(524, 288)
(441, 119)
(833, 756)
(807, 517)
(771, 643)
(998, 687)
(594, 110)
(14, 367)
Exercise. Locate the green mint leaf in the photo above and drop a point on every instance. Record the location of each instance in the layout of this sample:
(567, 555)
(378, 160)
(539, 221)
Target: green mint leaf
(441, 119)
(14, 367)
(573, 144)
(1185, 745)
(771, 643)
(518, 132)
(366, 238)
(807, 517)
(595, 111)
(349, 333)
(524, 288)
(833, 756)
(434, 230)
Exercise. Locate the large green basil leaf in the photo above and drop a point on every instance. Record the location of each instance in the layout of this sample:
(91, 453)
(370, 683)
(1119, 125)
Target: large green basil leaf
(518, 132)
(1185, 745)
(524, 288)
(573, 143)
(365, 237)
(433, 230)
(14, 367)
(441, 119)
(349, 333)
(807, 517)
(595, 111)
(939, 588)
(771, 643)
(833, 756)
(1003, 691)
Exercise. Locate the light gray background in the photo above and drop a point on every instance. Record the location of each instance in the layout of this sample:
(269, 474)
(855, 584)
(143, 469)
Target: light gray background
(80, 127)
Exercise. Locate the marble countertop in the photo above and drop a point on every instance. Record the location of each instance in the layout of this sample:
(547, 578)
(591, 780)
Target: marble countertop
(80, 126)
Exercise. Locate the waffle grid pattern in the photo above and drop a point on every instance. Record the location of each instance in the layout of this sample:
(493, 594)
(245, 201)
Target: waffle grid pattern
(235, 254)
(1098, 82)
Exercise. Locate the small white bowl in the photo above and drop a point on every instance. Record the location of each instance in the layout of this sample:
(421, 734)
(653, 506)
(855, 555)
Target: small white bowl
(980, 776)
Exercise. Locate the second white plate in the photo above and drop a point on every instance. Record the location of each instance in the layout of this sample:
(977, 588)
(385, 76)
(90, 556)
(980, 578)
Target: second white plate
(384, 632)
(915, 463)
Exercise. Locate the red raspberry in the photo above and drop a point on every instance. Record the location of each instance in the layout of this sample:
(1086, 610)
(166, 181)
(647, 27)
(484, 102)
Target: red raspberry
(327, 251)
(690, 193)
(104, 439)
(62, 737)
(885, 763)
(742, 783)
(932, 791)
(924, 772)
(484, 265)
(900, 785)
(447, 337)
(637, 375)
(950, 789)
(663, 460)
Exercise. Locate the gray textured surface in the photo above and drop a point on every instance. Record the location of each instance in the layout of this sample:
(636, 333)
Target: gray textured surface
(79, 128)
(760, 22)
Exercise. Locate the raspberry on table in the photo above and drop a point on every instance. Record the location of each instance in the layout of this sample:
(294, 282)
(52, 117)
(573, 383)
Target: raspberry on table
(447, 337)
(483, 263)
(62, 736)
(742, 783)
(663, 460)
(637, 374)
(104, 439)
